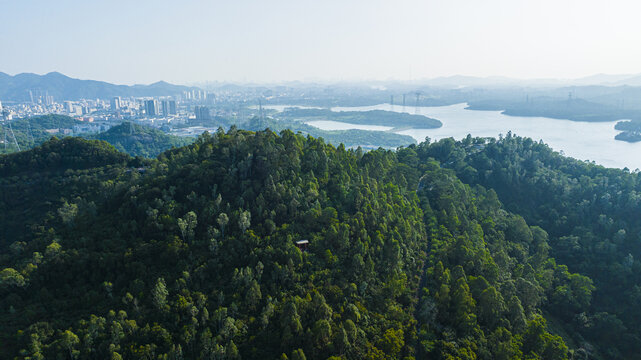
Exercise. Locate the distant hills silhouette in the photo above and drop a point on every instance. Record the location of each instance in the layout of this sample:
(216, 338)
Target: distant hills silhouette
(62, 87)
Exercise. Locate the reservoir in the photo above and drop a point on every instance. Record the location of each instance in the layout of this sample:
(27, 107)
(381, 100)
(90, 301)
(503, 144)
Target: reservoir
(580, 140)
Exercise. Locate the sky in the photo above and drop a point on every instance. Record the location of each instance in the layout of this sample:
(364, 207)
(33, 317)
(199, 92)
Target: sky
(192, 41)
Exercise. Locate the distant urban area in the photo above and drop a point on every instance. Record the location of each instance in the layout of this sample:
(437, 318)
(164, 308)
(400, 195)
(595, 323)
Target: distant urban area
(367, 115)
(169, 113)
(34, 108)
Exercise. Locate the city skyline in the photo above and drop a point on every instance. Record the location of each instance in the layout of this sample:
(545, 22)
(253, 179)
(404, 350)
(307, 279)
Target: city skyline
(250, 41)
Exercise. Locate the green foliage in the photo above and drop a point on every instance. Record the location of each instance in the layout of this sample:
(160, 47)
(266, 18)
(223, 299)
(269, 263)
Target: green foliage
(11, 277)
(139, 140)
(196, 256)
(136, 140)
(199, 253)
(33, 131)
(481, 268)
(53, 183)
(591, 216)
(59, 155)
(159, 294)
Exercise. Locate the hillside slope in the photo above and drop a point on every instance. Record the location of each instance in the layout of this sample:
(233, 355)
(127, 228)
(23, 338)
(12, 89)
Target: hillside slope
(36, 184)
(139, 140)
(591, 214)
(196, 257)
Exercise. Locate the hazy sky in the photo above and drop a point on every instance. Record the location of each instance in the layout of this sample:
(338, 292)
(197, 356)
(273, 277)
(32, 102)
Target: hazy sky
(140, 41)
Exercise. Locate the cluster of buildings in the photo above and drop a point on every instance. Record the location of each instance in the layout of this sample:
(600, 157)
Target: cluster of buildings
(186, 112)
(198, 95)
(97, 115)
(154, 107)
(79, 108)
(117, 108)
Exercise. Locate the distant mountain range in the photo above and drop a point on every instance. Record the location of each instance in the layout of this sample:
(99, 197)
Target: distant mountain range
(62, 87)
(501, 81)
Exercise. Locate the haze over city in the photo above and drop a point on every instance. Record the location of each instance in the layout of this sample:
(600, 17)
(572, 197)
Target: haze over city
(186, 42)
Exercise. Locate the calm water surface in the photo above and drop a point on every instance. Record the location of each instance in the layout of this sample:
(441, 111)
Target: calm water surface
(337, 125)
(580, 140)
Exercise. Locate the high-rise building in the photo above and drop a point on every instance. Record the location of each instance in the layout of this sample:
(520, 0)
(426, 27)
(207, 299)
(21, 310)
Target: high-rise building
(151, 107)
(48, 99)
(164, 104)
(202, 113)
(115, 103)
(168, 107)
(198, 94)
(69, 107)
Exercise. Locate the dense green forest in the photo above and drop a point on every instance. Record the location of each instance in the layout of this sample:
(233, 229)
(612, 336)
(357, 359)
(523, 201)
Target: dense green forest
(138, 140)
(630, 130)
(591, 215)
(35, 184)
(411, 255)
(32, 131)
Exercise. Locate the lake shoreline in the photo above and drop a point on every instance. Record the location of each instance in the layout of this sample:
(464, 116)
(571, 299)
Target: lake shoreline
(591, 141)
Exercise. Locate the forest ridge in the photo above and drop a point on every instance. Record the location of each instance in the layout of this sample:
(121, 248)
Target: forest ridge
(471, 249)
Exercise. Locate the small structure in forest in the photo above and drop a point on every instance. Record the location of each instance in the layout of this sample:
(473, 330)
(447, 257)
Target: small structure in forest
(302, 245)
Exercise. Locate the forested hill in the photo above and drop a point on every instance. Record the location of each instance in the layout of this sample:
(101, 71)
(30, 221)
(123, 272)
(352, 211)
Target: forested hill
(592, 215)
(411, 255)
(61, 155)
(134, 139)
(27, 133)
(139, 140)
(38, 184)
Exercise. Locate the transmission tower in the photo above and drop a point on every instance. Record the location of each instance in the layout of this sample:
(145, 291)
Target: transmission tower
(30, 133)
(261, 114)
(418, 96)
(14, 137)
(4, 132)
